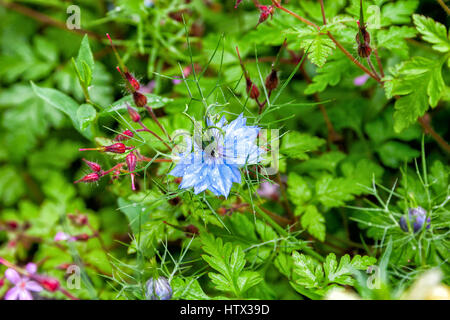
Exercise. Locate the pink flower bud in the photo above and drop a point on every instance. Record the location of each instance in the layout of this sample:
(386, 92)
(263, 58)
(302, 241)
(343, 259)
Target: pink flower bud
(131, 161)
(134, 115)
(127, 134)
(132, 80)
(116, 148)
(49, 284)
(91, 177)
(94, 166)
(265, 13)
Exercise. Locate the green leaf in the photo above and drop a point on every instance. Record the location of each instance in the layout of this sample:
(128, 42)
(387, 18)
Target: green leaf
(298, 190)
(319, 49)
(432, 32)
(309, 272)
(398, 12)
(333, 192)
(420, 80)
(394, 39)
(313, 221)
(330, 74)
(295, 145)
(229, 261)
(86, 114)
(63, 103)
(393, 154)
(85, 61)
(342, 274)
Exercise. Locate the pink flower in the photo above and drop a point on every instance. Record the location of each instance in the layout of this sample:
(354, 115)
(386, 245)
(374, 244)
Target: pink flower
(361, 80)
(269, 190)
(62, 236)
(22, 285)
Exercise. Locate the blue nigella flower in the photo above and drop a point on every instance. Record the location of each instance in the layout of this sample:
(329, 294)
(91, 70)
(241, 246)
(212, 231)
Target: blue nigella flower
(158, 289)
(217, 156)
(416, 217)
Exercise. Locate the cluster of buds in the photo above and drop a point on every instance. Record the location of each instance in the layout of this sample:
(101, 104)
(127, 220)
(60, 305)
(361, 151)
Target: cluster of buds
(78, 219)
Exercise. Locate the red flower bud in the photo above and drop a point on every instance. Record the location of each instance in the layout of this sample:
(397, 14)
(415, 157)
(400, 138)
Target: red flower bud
(12, 225)
(94, 166)
(132, 80)
(192, 229)
(116, 148)
(82, 237)
(91, 177)
(252, 90)
(134, 115)
(49, 284)
(127, 134)
(272, 80)
(265, 13)
(79, 219)
(139, 99)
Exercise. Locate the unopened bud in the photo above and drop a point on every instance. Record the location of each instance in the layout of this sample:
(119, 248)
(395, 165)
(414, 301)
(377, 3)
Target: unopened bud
(94, 166)
(416, 217)
(192, 229)
(116, 148)
(134, 115)
(265, 13)
(132, 80)
(79, 219)
(272, 80)
(82, 237)
(91, 177)
(252, 90)
(12, 225)
(127, 134)
(131, 161)
(139, 99)
(158, 289)
(49, 284)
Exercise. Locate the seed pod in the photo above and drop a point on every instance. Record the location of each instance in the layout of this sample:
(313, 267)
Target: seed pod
(363, 40)
(158, 289)
(272, 80)
(91, 177)
(134, 115)
(94, 166)
(416, 217)
(139, 99)
(252, 90)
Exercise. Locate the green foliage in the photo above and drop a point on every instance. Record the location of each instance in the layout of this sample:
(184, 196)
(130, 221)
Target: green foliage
(351, 155)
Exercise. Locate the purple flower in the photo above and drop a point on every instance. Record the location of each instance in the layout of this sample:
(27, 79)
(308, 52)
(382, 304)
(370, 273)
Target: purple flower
(269, 190)
(416, 217)
(361, 80)
(149, 87)
(158, 289)
(22, 285)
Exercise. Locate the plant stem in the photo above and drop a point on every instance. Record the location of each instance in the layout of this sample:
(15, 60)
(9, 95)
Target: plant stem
(444, 6)
(152, 114)
(144, 128)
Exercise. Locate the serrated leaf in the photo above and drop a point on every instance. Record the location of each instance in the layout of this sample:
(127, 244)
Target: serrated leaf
(313, 221)
(333, 192)
(394, 39)
(295, 144)
(432, 32)
(298, 189)
(318, 48)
